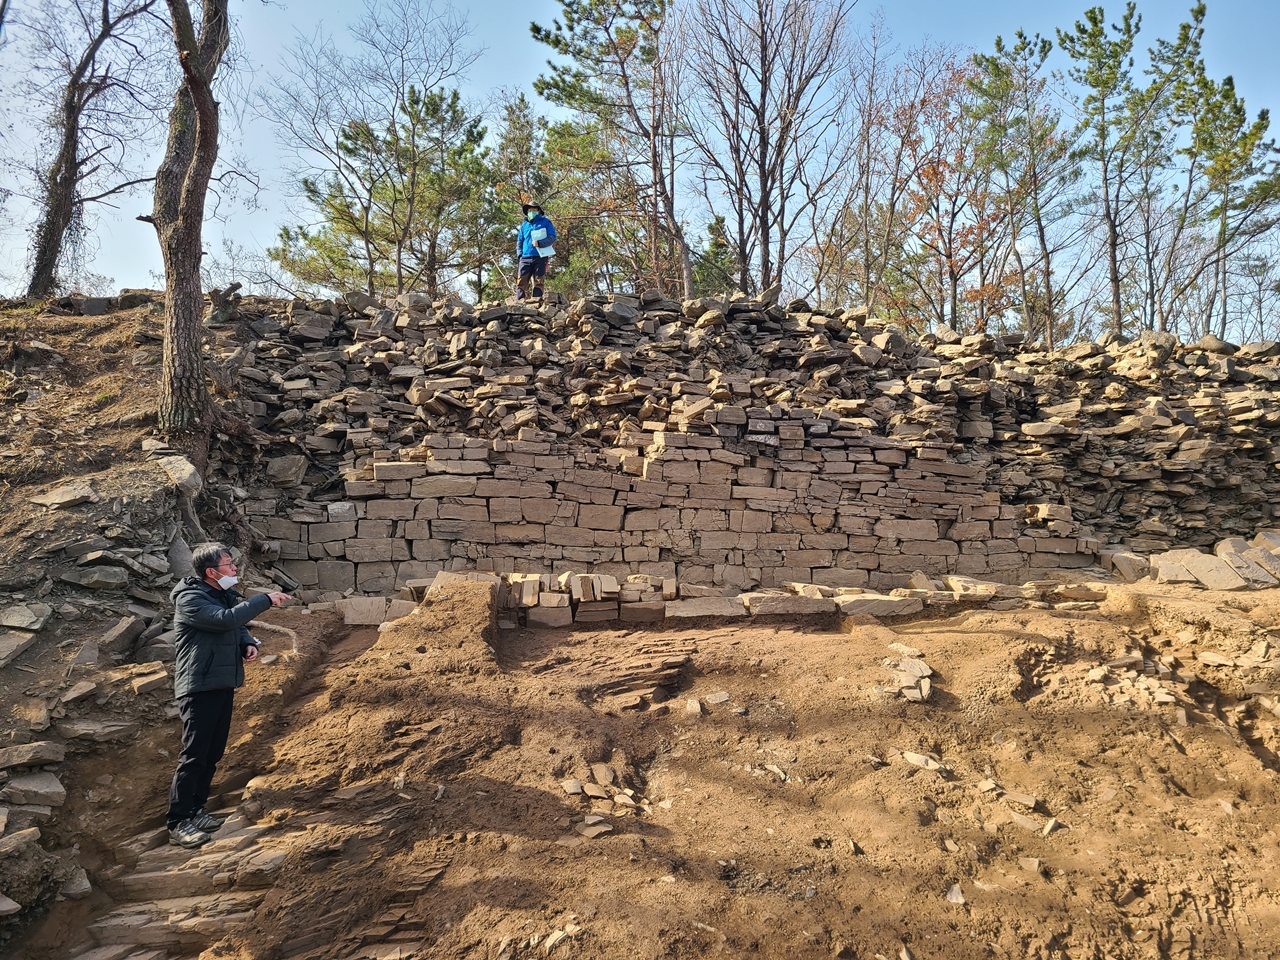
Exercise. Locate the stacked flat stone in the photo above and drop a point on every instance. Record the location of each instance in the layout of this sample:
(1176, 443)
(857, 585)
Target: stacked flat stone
(731, 442)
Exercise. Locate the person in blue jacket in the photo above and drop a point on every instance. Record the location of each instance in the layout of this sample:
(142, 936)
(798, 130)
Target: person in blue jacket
(211, 646)
(533, 249)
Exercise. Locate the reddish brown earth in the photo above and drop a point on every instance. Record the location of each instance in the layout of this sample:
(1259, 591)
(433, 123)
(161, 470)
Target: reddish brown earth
(405, 788)
(417, 777)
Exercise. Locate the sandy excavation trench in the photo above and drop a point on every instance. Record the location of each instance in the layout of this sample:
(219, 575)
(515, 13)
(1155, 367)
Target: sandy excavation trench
(413, 793)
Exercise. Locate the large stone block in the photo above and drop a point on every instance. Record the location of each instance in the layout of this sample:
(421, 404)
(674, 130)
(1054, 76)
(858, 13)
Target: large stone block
(970, 530)
(907, 529)
(368, 551)
(767, 604)
(286, 471)
(42, 789)
(590, 611)
(335, 576)
(391, 470)
(597, 517)
(13, 644)
(518, 533)
(414, 570)
(840, 577)
(569, 536)
(472, 531)
(32, 754)
(549, 618)
(706, 607)
(506, 510)
(644, 611)
(428, 550)
(278, 528)
(121, 637)
(388, 509)
(329, 532)
(876, 605)
(363, 611)
(426, 488)
(549, 511)
(377, 577)
(302, 571)
(664, 519)
(511, 488)
(1212, 572)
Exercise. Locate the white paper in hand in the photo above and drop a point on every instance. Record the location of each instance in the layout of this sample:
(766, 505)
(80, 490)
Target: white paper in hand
(541, 234)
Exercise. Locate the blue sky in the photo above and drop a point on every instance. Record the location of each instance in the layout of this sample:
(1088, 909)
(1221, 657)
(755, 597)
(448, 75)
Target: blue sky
(1240, 40)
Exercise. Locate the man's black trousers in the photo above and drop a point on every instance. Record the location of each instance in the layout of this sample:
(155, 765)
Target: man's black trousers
(206, 722)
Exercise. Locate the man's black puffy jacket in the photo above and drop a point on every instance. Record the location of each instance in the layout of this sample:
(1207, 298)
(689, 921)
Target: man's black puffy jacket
(211, 636)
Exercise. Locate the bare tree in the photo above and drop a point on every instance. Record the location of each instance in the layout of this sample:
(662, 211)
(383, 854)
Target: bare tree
(182, 185)
(403, 49)
(94, 72)
(767, 88)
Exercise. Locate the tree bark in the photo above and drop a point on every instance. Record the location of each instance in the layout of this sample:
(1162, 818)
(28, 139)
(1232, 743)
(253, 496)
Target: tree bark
(59, 205)
(85, 83)
(182, 184)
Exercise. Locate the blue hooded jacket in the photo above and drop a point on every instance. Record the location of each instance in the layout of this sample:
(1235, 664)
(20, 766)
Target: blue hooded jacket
(524, 239)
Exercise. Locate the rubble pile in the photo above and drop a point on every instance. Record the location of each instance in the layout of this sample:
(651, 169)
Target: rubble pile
(729, 441)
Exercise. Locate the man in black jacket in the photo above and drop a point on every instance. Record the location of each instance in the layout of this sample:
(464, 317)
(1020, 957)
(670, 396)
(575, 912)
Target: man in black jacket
(212, 645)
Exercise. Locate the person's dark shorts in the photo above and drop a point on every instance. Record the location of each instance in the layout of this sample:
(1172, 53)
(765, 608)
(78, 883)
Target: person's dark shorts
(533, 267)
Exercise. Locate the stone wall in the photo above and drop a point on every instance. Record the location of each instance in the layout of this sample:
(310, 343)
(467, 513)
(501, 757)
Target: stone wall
(857, 511)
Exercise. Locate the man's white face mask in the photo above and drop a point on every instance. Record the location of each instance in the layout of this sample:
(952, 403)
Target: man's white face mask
(226, 583)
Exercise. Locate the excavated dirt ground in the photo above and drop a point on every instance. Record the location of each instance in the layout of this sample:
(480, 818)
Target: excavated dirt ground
(402, 794)
(409, 787)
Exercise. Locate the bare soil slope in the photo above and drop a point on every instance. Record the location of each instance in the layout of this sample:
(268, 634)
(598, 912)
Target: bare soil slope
(410, 798)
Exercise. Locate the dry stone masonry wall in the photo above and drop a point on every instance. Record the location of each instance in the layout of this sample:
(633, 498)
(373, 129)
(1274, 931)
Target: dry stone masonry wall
(728, 442)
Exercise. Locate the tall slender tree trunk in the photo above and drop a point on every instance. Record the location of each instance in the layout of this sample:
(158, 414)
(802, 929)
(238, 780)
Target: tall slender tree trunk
(59, 204)
(182, 185)
(1113, 255)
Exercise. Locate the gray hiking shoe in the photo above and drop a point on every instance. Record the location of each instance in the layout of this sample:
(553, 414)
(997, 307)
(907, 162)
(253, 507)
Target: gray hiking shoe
(208, 822)
(187, 834)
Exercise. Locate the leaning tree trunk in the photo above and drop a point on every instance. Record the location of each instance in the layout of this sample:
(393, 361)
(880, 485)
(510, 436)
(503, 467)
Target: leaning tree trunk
(182, 184)
(59, 204)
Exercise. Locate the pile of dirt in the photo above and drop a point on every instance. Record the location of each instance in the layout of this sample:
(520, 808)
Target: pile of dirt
(437, 790)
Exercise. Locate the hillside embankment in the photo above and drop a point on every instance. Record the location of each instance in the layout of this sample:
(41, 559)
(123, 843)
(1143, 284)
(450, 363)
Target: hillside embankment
(764, 631)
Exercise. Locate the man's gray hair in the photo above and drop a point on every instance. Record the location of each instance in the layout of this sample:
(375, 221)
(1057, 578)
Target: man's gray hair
(206, 555)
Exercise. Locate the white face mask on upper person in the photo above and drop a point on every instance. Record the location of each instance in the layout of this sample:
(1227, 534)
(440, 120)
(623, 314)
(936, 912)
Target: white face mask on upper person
(531, 215)
(226, 583)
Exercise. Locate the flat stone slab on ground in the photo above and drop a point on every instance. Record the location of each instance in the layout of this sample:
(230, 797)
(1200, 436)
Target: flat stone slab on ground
(98, 578)
(400, 608)
(32, 754)
(1213, 572)
(870, 604)
(706, 607)
(98, 731)
(1167, 571)
(363, 611)
(42, 789)
(26, 616)
(18, 839)
(68, 495)
(13, 644)
(785, 604)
